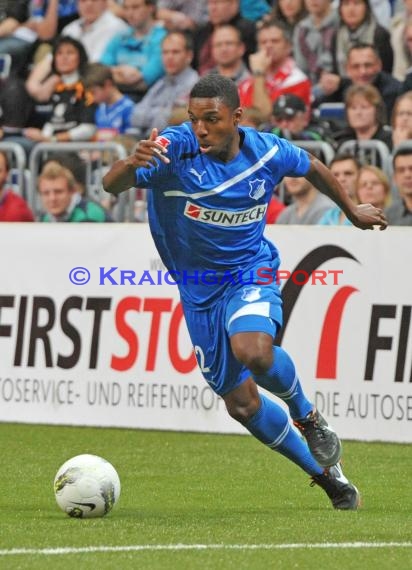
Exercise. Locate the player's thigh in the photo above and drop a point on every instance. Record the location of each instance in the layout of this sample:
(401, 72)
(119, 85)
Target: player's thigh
(211, 343)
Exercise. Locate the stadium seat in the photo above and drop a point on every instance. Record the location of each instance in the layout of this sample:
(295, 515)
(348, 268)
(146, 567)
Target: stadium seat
(19, 176)
(334, 113)
(321, 149)
(405, 144)
(370, 152)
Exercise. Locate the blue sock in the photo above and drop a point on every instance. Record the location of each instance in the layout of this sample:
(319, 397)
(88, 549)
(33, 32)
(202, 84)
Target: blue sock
(282, 381)
(270, 425)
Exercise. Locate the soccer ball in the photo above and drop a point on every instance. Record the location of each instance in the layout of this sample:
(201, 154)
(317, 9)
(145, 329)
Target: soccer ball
(86, 486)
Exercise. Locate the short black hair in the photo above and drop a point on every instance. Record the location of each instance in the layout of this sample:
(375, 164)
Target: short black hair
(217, 86)
(402, 151)
(185, 34)
(272, 23)
(363, 45)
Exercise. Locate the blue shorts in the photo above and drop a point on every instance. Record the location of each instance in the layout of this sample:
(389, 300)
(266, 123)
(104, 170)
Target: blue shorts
(251, 308)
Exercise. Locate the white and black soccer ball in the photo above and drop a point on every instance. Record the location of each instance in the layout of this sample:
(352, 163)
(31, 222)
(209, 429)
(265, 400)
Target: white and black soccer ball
(86, 486)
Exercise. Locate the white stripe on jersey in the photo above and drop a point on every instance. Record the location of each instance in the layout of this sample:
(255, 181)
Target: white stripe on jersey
(229, 182)
(261, 309)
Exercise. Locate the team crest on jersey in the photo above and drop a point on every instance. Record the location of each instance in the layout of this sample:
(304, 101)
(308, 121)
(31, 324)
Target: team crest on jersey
(251, 294)
(225, 217)
(257, 188)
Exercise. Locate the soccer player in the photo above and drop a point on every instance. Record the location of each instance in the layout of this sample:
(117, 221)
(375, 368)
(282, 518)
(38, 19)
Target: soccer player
(211, 182)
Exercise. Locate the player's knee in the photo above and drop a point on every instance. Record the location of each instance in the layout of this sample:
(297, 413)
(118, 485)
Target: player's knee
(241, 411)
(258, 362)
(255, 353)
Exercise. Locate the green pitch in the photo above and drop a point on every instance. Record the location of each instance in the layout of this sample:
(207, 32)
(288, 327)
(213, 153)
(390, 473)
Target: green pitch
(192, 501)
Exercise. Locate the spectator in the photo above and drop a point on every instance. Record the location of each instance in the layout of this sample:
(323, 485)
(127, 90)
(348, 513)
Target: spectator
(274, 72)
(95, 28)
(346, 169)
(66, 13)
(290, 120)
(366, 116)
(308, 204)
(46, 74)
(13, 14)
(357, 23)
(402, 119)
(252, 117)
(72, 117)
(135, 56)
(221, 12)
(45, 19)
(15, 108)
(407, 43)
(401, 41)
(400, 212)
(12, 206)
(114, 111)
(172, 90)
(61, 202)
(289, 12)
(73, 162)
(86, 183)
(228, 50)
(373, 187)
(312, 40)
(363, 67)
(182, 14)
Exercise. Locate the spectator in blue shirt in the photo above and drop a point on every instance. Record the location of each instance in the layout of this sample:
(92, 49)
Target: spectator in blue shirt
(135, 56)
(114, 109)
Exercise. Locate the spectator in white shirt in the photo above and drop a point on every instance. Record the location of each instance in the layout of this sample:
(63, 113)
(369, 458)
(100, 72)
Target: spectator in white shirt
(96, 26)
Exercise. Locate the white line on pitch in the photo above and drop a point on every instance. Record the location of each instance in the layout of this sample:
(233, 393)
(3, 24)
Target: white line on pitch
(157, 547)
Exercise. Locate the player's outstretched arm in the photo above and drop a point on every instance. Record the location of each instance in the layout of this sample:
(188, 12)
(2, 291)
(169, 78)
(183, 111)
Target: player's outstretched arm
(363, 216)
(122, 174)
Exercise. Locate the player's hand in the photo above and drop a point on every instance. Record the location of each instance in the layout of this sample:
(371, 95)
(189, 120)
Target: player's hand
(147, 152)
(366, 217)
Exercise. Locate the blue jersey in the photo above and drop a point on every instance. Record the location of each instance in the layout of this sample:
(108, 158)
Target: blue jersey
(38, 8)
(116, 117)
(209, 216)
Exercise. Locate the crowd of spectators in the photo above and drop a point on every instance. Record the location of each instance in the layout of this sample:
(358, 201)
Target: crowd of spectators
(99, 70)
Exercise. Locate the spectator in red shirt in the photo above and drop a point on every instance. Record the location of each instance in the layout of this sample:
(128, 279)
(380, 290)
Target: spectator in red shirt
(274, 71)
(12, 207)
